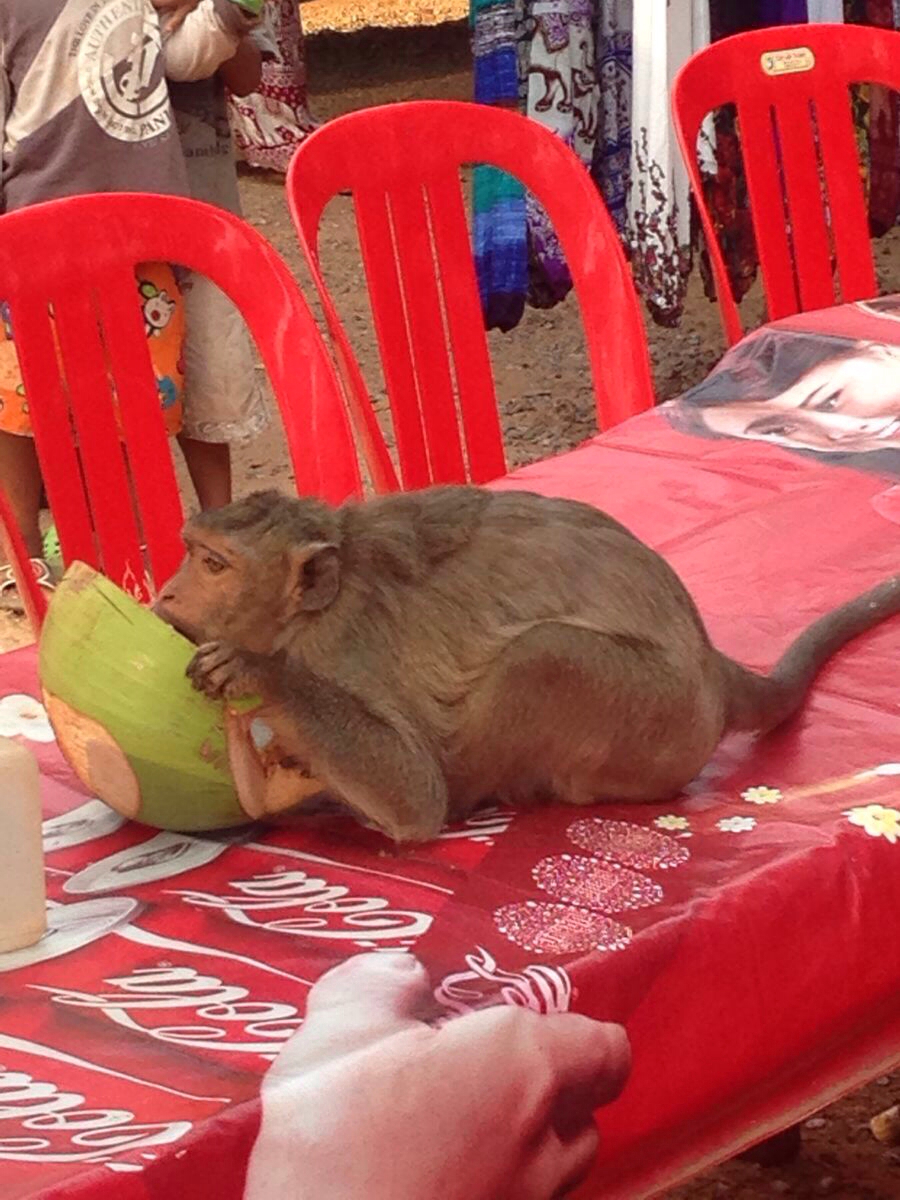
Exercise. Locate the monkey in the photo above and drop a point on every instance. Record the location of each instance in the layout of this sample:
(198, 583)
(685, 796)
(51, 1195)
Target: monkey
(423, 652)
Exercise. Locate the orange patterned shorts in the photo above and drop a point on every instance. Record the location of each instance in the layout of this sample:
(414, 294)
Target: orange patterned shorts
(163, 308)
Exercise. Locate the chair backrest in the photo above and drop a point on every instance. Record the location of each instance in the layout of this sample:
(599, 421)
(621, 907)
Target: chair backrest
(12, 544)
(67, 273)
(402, 164)
(791, 89)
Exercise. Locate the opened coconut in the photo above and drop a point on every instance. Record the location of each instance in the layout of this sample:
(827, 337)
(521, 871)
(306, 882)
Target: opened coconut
(135, 731)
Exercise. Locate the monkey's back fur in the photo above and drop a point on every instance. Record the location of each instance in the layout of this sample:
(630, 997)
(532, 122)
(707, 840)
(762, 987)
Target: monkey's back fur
(519, 634)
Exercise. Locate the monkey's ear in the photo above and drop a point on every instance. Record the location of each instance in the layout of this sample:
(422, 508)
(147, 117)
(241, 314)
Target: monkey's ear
(318, 575)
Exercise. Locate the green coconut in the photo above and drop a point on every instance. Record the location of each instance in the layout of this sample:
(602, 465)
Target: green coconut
(135, 731)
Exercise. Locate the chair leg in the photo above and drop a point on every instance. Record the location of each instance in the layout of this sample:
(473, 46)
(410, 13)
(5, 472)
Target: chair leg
(34, 600)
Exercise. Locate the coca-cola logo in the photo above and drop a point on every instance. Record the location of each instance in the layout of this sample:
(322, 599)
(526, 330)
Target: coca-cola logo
(61, 1127)
(325, 910)
(483, 826)
(541, 988)
(225, 1018)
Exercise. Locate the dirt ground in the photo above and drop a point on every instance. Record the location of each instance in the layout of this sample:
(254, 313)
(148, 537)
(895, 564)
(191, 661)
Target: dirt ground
(547, 405)
(338, 16)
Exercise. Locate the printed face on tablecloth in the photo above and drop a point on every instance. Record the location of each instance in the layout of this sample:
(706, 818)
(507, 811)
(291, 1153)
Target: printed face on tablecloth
(807, 391)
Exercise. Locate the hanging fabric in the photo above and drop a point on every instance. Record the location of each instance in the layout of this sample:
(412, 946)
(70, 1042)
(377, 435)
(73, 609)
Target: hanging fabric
(599, 74)
(883, 136)
(575, 67)
(726, 188)
(498, 200)
(782, 12)
(561, 94)
(611, 165)
(665, 34)
(854, 14)
(825, 11)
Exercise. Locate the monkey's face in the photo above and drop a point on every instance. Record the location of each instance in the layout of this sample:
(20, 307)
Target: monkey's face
(248, 593)
(216, 595)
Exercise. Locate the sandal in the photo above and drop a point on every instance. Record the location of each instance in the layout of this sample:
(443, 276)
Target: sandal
(10, 600)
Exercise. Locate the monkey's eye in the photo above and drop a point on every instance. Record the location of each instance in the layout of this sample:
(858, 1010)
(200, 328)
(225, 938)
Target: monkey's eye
(214, 565)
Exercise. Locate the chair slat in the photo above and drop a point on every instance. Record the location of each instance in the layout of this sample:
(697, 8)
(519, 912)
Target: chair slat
(471, 357)
(846, 195)
(149, 457)
(99, 444)
(806, 203)
(382, 274)
(767, 207)
(39, 361)
(425, 320)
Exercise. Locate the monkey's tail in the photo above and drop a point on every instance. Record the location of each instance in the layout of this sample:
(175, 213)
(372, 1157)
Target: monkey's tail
(761, 702)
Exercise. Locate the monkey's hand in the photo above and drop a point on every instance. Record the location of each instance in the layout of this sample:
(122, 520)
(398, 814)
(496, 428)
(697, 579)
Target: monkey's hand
(221, 671)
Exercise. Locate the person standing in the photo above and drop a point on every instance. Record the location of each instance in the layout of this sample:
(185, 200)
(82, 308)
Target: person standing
(224, 403)
(270, 123)
(84, 108)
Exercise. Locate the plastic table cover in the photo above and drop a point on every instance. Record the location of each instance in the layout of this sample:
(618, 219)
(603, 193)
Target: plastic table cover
(745, 934)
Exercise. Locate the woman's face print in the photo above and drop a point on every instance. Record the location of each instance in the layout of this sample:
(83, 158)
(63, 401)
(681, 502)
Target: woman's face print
(848, 404)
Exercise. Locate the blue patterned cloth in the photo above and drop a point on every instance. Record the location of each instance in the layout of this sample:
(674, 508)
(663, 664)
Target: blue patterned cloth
(611, 167)
(501, 248)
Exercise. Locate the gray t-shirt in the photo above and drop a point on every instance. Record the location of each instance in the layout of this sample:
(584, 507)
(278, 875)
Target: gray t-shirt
(84, 103)
(201, 112)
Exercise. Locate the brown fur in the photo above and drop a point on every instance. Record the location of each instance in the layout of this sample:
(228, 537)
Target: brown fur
(423, 652)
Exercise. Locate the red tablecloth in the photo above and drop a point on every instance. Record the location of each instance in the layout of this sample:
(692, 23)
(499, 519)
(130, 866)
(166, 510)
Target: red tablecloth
(746, 935)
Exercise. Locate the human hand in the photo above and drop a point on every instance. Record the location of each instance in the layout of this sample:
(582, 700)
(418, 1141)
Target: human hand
(367, 1102)
(242, 73)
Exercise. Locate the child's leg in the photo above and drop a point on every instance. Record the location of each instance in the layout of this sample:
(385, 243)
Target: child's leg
(223, 403)
(209, 466)
(20, 475)
(20, 478)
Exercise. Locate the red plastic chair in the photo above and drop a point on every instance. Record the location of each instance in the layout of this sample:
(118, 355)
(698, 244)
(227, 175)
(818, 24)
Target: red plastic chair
(794, 124)
(402, 163)
(12, 544)
(76, 257)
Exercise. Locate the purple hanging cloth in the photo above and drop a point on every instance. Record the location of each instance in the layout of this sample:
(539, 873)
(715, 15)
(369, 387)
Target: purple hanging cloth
(783, 12)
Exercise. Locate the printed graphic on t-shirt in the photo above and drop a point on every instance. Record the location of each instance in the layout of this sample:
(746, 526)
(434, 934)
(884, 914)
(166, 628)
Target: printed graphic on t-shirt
(120, 71)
